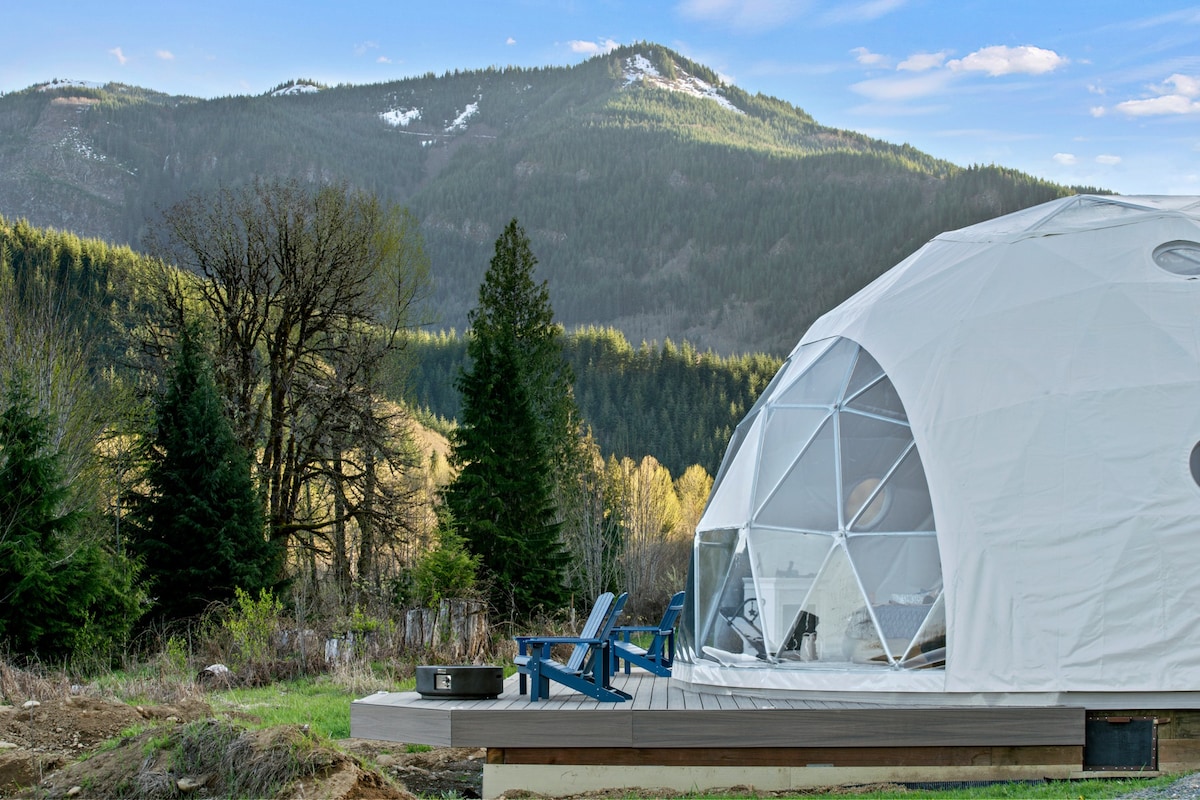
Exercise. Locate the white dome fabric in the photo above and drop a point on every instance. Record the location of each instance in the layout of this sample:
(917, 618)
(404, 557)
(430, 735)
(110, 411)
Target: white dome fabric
(1036, 389)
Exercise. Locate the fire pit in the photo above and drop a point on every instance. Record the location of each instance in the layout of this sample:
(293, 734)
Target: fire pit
(465, 682)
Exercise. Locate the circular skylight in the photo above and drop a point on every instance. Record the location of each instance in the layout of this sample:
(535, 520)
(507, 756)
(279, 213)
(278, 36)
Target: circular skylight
(1179, 257)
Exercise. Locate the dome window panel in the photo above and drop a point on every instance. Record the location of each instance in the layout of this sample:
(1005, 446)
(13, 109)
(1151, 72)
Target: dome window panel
(866, 373)
(784, 428)
(806, 498)
(714, 558)
(870, 450)
(879, 399)
(905, 506)
(785, 566)
(928, 648)
(824, 382)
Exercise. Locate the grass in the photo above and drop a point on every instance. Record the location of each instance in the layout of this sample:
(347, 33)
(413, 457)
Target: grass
(1096, 789)
(321, 703)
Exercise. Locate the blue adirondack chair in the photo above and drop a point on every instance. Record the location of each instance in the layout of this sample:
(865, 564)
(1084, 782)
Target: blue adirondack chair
(658, 656)
(587, 668)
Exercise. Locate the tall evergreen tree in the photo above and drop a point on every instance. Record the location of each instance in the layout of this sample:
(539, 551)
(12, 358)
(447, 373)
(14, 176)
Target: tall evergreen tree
(59, 590)
(516, 395)
(199, 527)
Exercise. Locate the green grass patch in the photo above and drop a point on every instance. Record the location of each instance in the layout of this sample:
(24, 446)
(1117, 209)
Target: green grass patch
(319, 702)
(1099, 789)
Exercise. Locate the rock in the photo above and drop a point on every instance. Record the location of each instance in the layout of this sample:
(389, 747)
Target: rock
(74, 790)
(186, 785)
(30, 704)
(215, 674)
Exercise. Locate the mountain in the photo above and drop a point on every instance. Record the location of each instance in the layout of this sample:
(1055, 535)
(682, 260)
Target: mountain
(659, 200)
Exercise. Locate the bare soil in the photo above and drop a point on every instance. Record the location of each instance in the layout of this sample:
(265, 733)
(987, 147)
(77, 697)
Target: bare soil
(88, 747)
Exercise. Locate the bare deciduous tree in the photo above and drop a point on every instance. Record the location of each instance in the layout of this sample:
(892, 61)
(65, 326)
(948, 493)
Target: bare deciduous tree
(308, 290)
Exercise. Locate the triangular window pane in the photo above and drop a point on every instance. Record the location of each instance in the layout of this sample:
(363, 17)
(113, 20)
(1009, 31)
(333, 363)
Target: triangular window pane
(823, 382)
(881, 400)
(832, 608)
(903, 503)
(870, 450)
(714, 554)
(928, 648)
(902, 575)
(806, 498)
(786, 433)
(866, 371)
(785, 568)
(733, 629)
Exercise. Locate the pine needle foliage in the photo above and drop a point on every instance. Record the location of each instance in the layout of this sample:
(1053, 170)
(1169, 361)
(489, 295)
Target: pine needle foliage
(199, 525)
(515, 398)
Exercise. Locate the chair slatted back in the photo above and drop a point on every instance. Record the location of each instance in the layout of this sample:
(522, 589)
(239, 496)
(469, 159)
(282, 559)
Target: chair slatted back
(601, 611)
(670, 616)
(585, 663)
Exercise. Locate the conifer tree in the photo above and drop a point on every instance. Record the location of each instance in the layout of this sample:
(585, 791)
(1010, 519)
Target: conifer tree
(514, 401)
(200, 527)
(59, 590)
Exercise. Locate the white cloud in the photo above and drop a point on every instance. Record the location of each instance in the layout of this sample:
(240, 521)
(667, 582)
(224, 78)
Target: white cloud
(592, 48)
(510, 40)
(742, 14)
(362, 48)
(891, 89)
(868, 59)
(121, 58)
(1002, 60)
(165, 55)
(1178, 94)
(1159, 106)
(383, 60)
(1066, 159)
(1186, 85)
(1108, 160)
(920, 62)
(1099, 111)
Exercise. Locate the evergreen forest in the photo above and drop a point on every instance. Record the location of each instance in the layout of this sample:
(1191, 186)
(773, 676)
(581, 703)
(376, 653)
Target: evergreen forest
(653, 211)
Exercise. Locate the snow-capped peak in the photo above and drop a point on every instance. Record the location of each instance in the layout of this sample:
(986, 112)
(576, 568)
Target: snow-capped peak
(639, 69)
(295, 87)
(60, 83)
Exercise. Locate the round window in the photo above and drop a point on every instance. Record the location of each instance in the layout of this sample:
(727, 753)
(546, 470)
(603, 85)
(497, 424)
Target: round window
(1196, 464)
(1179, 257)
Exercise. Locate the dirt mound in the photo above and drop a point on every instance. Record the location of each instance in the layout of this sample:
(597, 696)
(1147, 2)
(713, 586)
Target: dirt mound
(436, 772)
(89, 747)
(217, 759)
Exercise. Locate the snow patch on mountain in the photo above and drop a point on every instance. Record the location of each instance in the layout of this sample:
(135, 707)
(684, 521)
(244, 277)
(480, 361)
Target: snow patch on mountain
(400, 117)
(295, 88)
(59, 83)
(460, 122)
(639, 69)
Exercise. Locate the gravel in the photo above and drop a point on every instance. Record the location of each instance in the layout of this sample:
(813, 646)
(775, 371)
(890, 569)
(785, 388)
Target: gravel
(1186, 787)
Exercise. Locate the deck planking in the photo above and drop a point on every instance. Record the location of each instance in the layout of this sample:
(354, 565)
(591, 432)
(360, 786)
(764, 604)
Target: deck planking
(664, 714)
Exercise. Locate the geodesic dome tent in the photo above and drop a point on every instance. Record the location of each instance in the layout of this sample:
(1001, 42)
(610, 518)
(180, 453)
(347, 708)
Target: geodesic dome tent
(979, 476)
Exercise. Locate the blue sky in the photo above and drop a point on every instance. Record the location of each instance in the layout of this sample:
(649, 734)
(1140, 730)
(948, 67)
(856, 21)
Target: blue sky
(1097, 93)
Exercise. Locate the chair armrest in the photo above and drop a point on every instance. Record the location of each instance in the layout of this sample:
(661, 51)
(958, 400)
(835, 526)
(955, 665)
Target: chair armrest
(548, 640)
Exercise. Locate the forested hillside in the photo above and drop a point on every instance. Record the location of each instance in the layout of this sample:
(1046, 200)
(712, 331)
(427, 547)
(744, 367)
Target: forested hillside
(668, 401)
(659, 201)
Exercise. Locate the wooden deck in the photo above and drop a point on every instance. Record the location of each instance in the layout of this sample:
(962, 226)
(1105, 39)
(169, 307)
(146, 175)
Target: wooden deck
(662, 714)
(672, 737)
